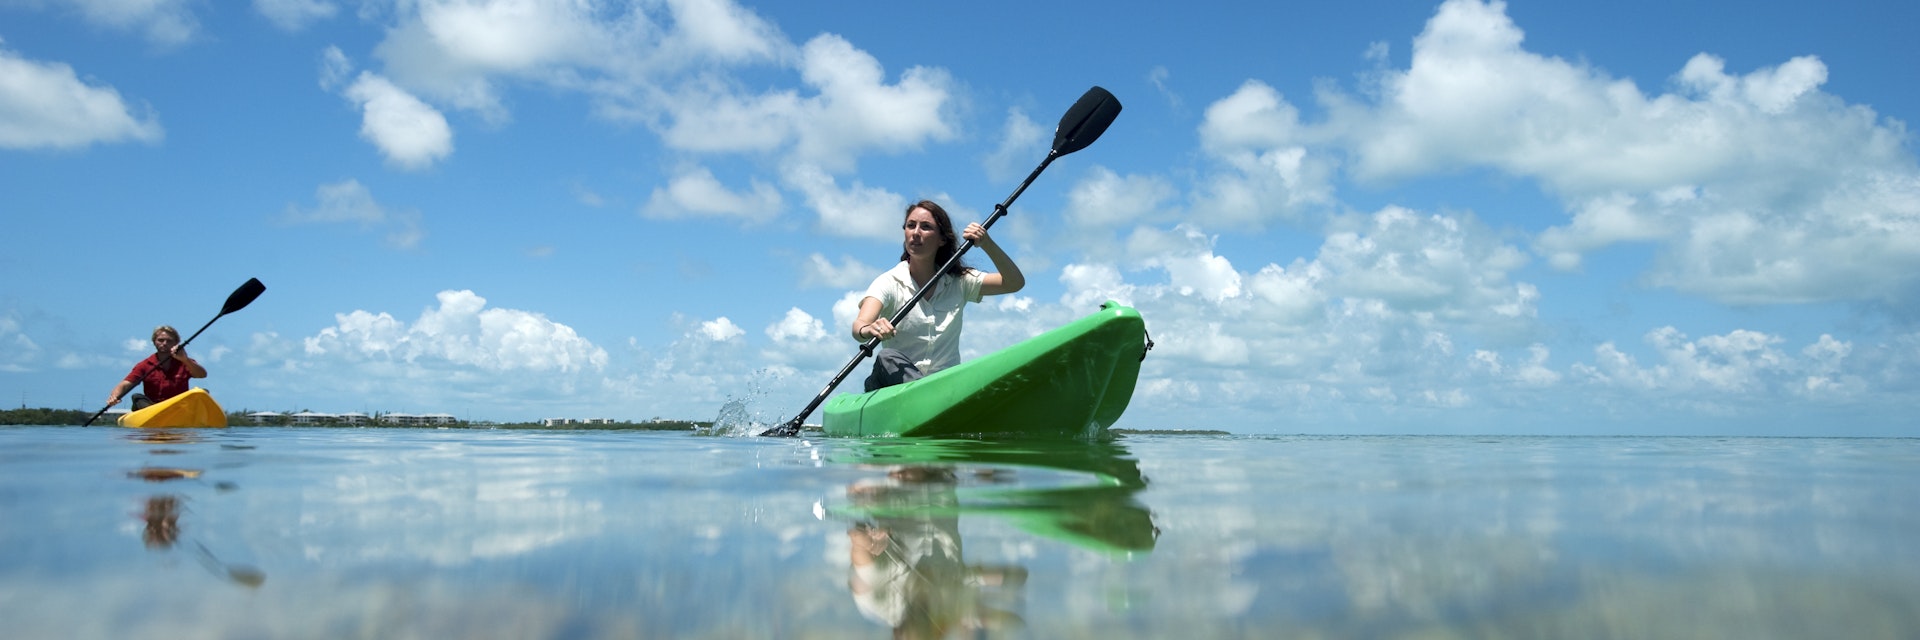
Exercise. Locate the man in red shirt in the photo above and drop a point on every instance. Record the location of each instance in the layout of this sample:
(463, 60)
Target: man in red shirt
(162, 375)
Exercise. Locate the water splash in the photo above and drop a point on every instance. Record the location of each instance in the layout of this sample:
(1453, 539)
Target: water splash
(737, 417)
(734, 420)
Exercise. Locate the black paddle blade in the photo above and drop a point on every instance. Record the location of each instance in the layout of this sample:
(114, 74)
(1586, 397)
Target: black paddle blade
(243, 296)
(1084, 123)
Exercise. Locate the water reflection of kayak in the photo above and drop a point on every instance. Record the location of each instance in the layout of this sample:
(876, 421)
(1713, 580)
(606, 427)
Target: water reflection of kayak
(1073, 381)
(195, 408)
(1081, 493)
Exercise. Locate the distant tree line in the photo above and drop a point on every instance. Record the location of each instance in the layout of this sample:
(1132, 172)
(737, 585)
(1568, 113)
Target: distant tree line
(24, 415)
(650, 425)
(245, 417)
(43, 416)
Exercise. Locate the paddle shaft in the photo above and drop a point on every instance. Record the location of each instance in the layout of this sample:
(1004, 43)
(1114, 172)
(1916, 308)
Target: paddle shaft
(792, 427)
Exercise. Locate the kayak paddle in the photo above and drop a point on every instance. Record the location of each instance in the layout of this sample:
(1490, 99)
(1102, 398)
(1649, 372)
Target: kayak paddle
(240, 298)
(1081, 125)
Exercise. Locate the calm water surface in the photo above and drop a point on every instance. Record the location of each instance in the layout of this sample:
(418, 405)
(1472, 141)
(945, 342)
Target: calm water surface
(389, 533)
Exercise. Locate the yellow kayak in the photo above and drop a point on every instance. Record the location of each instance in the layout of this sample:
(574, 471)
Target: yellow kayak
(195, 408)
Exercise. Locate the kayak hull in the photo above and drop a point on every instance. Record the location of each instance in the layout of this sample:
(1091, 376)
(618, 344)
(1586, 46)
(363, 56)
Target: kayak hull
(1073, 381)
(195, 408)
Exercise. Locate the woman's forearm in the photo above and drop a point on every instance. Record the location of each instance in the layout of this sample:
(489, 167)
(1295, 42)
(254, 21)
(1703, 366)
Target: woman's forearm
(1011, 279)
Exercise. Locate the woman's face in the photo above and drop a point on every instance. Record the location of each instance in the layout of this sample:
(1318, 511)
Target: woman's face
(922, 233)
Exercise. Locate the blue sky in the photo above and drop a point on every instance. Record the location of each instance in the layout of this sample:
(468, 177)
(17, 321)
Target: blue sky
(1384, 217)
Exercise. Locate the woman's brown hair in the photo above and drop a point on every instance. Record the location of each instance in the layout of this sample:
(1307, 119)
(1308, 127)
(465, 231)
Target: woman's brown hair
(949, 242)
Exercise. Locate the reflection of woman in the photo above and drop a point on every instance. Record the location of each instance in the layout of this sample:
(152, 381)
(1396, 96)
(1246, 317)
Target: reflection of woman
(907, 571)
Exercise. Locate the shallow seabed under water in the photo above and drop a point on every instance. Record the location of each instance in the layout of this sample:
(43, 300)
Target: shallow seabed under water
(390, 533)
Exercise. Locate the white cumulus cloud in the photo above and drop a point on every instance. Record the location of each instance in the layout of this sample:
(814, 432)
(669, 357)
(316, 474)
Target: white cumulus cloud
(46, 105)
(294, 15)
(1447, 266)
(695, 192)
(1264, 169)
(796, 325)
(849, 273)
(460, 333)
(21, 353)
(721, 330)
(1107, 200)
(166, 23)
(1729, 370)
(409, 132)
(1022, 143)
(1758, 187)
(349, 202)
(856, 211)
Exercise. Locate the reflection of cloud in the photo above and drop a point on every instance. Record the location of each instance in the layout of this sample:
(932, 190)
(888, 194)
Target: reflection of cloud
(434, 607)
(473, 518)
(1430, 534)
(501, 534)
(1425, 576)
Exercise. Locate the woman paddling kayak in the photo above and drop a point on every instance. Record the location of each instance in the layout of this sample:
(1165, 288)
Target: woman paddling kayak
(928, 339)
(162, 375)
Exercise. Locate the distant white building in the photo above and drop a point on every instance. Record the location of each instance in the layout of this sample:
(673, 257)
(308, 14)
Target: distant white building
(263, 417)
(555, 422)
(416, 420)
(353, 418)
(311, 417)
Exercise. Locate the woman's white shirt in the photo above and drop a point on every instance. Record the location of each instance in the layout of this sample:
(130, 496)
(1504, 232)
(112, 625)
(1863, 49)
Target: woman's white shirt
(930, 334)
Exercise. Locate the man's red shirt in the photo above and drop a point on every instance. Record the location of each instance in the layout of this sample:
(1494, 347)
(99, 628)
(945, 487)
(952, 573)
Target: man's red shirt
(161, 381)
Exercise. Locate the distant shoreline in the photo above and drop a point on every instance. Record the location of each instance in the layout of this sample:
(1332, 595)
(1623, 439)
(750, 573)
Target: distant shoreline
(55, 417)
(71, 417)
(1170, 432)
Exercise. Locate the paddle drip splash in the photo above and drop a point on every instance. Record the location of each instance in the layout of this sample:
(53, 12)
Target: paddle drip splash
(737, 417)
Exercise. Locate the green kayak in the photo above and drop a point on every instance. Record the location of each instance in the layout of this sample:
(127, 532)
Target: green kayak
(1073, 381)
